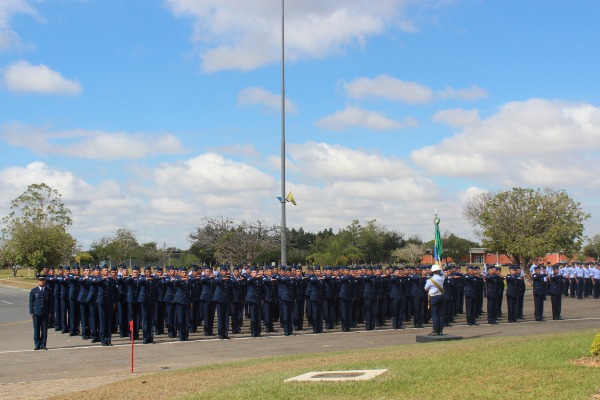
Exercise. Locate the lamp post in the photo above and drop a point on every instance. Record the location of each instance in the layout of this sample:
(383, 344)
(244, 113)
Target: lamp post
(283, 224)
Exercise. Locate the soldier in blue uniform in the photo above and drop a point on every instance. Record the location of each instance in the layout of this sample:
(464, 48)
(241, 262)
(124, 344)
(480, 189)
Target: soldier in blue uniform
(521, 288)
(512, 292)
(329, 299)
(492, 280)
(370, 298)
(471, 294)
(183, 288)
(253, 299)
(556, 291)
(196, 310)
(317, 297)
(169, 298)
(74, 310)
(287, 289)
(92, 300)
(222, 299)
(346, 297)
(159, 312)
(207, 284)
(238, 294)
(122, 305)
(300, 298)
(398, 284)
(269, 299)
(107, 298)
(417, 293)
(84, 306)
(64, 299)
(133, 294)
(538, 293)
(147, 299)
(40, 308)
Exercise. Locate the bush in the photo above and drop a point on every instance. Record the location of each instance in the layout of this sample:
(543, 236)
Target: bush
(595, 348)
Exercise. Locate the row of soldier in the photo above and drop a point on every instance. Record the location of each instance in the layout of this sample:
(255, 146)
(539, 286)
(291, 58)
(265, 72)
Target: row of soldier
(98, 302)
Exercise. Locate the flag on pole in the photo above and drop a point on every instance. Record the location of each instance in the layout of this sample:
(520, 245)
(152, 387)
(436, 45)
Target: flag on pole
(438, 251)
(290, 198)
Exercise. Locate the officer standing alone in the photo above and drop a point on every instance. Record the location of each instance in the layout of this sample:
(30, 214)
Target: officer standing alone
(40, 308)
(434, 288)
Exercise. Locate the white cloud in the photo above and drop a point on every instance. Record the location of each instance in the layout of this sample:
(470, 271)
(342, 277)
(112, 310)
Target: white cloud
(252, 96)
(246, 35)
(472, 93)
(535, 142)
(457, 117)
(94, 145)
(389, 88)
(394, 89)
(244, 150)
(327, 162)
(22, 77)
(8, 38)
(354, 116)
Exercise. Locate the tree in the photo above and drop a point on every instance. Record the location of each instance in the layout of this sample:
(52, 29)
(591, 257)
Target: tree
(412, 253)
(526, 223)
(118, 248)
(35, 231)
(236, 242)
(592, 248)
(455, 247)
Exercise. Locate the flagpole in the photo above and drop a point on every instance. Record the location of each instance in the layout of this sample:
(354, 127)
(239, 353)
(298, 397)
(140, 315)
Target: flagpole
(283, 197)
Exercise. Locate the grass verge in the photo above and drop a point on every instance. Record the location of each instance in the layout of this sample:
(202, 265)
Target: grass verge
(528, 367)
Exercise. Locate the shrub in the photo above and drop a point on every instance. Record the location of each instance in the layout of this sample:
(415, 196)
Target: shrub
(595, 348)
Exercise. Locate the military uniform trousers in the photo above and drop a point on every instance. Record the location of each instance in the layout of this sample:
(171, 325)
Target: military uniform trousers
(397, 306)
(299, 314)
(183, 320)
(255, 318)
(556, 300)
(538, 303)
(171, 318)
(58, 317)
(317, 316)
(74, 317)
(84, 312)
(123, 317)
(346, 314)
(208, 313)
(471, 309)
(148, 310)
(64, 310)
(268, 309)
(492, 310)
(134, 315)
(159, 318)
(512, 307)
(94, 322)
(40, 330)
(370, 316)
(223, 319)
(436, 304)
(237, 316)
(105, 315)
(287, 316)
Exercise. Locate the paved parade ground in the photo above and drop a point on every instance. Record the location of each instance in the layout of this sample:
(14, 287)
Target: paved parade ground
(72, 364)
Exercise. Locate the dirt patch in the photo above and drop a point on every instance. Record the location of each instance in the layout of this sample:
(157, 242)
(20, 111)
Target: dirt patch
(57, 387)
(587, 362)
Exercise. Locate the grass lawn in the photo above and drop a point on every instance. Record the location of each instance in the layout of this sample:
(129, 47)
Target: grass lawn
(22, 280)
(530, 367)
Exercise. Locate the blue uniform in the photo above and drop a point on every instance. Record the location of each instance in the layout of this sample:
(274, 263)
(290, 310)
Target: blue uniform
(40, 308)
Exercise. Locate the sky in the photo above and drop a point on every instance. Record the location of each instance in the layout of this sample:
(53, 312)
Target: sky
(151, 115)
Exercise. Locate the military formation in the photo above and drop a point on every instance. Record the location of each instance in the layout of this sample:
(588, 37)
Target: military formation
(97, 302)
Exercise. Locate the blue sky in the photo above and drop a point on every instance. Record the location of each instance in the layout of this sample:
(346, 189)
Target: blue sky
(152, 114)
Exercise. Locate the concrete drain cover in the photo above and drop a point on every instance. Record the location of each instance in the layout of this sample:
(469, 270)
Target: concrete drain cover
(337, 376)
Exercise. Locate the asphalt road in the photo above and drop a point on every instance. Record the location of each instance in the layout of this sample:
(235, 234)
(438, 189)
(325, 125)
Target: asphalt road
(91, 364)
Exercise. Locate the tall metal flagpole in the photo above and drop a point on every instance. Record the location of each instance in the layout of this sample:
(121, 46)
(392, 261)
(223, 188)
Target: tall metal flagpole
(283, 197)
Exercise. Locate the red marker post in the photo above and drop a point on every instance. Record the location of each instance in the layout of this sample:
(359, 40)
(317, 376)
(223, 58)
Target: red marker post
(131, 333)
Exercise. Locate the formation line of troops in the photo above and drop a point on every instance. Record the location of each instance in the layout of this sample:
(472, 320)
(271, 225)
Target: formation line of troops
(99, 302)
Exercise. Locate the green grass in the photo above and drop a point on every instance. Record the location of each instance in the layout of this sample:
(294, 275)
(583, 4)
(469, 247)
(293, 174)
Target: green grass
(530, 367)
(25, 279)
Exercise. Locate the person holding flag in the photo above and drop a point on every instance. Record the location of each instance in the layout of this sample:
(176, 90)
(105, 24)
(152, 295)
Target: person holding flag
(435, 284)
